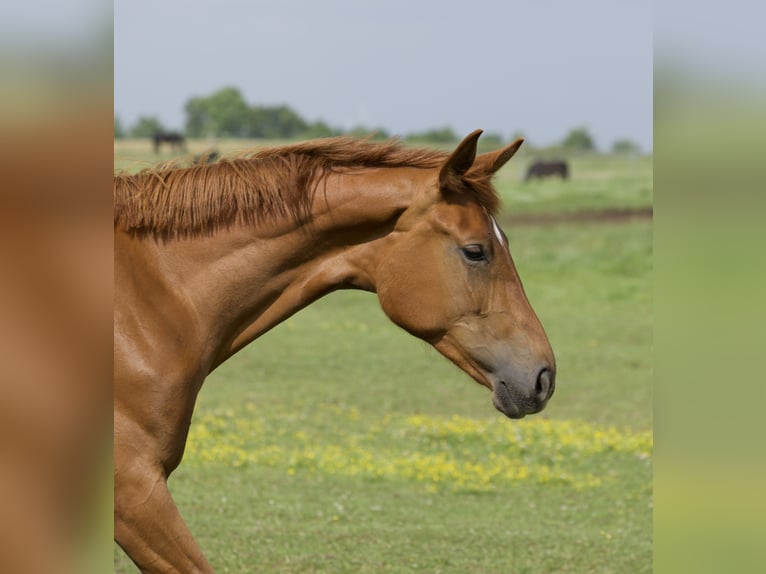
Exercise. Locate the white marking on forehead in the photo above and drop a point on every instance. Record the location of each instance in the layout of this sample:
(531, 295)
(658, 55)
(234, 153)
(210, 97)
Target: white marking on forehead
(498, 233)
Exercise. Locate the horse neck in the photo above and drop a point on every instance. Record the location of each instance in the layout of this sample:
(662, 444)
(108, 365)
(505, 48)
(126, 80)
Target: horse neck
(259, 281)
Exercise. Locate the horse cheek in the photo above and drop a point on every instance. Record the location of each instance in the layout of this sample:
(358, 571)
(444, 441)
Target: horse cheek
(413, 298)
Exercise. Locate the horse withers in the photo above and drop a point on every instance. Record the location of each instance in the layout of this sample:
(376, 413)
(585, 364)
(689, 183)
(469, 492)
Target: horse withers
(210, 257)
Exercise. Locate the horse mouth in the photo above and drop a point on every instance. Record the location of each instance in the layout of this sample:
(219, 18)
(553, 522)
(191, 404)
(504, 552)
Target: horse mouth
(502, 401)
(510, 404)
(509, 395)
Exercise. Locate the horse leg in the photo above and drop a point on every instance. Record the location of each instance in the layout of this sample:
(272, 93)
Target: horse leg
(147, 524)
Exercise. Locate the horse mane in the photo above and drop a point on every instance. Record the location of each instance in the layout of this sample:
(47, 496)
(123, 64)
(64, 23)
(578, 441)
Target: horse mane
(180, 201)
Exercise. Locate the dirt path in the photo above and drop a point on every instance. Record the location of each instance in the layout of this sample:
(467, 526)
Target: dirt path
(593, 216)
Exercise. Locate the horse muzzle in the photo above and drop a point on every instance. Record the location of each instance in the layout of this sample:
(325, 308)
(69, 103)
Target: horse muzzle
(517, 397)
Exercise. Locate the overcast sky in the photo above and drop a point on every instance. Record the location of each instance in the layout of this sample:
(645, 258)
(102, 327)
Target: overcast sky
(540, 67)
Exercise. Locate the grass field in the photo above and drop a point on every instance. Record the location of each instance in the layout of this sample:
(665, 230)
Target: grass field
(339, 444)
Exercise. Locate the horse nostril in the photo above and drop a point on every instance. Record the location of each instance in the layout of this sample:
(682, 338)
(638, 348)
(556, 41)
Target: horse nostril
(545, 384)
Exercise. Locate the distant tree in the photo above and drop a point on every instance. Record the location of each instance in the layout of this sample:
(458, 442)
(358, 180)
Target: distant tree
(119, 132)
(579, 139)
(146, 127)
(260, 123)
(440, 135)
(223, 113)
(290, 124)
(198, 121)
(319, 129)
(625, 146)
(275, 122)
(228, 111)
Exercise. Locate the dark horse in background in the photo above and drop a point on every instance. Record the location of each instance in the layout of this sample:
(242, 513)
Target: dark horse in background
(543, 168)
(174, 139)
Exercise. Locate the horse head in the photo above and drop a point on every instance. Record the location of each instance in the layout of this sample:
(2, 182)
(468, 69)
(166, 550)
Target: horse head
(447, 276)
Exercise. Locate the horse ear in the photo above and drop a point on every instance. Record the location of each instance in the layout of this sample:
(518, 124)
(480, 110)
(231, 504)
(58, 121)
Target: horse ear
(491, 162)
(459, 160)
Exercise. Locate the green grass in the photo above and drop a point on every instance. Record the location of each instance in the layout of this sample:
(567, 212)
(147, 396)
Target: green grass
(337, 443)
(595, 183)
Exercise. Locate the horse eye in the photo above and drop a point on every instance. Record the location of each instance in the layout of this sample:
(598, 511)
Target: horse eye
(474, 252)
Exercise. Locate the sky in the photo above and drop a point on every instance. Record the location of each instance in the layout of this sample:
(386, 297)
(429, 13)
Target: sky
(539, 67)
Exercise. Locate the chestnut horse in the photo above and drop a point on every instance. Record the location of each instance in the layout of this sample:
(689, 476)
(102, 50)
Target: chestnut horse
(210, 257)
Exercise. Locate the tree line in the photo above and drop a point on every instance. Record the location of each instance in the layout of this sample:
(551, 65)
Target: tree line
(226, 114)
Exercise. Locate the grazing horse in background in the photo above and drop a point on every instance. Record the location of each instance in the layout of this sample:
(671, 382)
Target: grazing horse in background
(543, 168)
(210, 257)
(175, 139)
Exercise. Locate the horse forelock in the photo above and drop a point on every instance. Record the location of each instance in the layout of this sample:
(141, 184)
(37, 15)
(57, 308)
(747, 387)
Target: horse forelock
(260, 185)
(484, 192)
